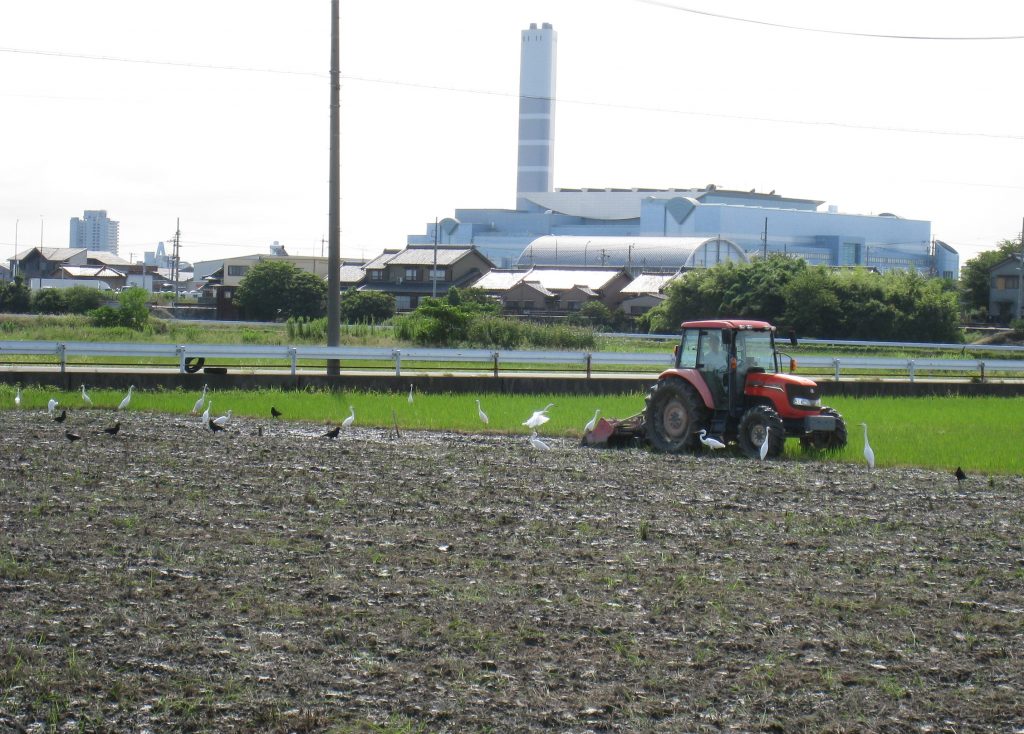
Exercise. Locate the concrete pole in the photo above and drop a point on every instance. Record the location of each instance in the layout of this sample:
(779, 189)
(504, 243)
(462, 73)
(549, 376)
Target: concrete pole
(334, 208)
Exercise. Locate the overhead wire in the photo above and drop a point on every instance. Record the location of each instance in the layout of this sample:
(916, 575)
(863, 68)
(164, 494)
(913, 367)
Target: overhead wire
(807, 29)
(516, 95)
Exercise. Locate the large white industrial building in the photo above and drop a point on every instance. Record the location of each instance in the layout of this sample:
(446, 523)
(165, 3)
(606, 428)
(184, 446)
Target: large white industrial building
(655, 229)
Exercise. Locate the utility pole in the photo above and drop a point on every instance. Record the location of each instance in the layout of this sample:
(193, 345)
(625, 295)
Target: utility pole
(1020, 276)
(433, 273)
(334, 208)
(764, 238)
(176, 257)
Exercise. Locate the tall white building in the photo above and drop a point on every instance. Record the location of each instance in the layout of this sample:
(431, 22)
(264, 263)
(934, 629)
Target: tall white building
(94, 231)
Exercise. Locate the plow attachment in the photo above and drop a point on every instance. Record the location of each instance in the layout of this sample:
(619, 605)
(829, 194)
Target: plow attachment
(616, 433)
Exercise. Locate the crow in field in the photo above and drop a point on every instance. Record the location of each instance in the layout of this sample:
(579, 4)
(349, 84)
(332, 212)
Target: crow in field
(275, 412)
(959, 474)
(214, 426)
(60, 418)
(72, 437)
(112, 431)
(333, 433)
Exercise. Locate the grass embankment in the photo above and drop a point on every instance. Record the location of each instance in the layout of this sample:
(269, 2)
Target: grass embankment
(980, 434)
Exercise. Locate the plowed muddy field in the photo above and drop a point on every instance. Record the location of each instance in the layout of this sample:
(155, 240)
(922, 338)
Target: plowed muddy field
(169, 579)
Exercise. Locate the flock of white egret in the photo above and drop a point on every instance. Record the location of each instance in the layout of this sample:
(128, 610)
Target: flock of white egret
(535, 421)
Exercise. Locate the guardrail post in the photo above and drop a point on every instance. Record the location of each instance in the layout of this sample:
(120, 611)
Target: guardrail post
(62, 353)
(981, 368)
(910, 369)
(180, 351)
(397, 354)
(587, 357)
(293, 355)
(835, 368)
(494, 356)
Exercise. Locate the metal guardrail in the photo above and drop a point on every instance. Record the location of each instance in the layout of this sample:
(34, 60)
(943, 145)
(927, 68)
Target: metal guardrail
(180, 354)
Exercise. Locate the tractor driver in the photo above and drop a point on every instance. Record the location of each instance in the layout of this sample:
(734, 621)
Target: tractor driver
(716, 364)
(715, 359)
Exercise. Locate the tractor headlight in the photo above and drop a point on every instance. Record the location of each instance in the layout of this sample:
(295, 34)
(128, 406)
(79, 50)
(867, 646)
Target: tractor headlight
(806, 402)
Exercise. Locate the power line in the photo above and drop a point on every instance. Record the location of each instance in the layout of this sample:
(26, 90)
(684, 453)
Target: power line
(662, 4)
(559, 100)
(154, 62)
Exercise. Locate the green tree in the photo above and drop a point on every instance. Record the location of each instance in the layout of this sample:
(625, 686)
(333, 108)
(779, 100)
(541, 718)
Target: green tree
(82, 299)
(134, 308)
(366, 306)
(974, 278)
(15, 297)
(476, 300)
(596, 315)
(132, 311)
(812, 305)
(279, 290)
(49, 300)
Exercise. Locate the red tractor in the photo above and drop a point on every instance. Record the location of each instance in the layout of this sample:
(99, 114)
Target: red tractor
(726, 381)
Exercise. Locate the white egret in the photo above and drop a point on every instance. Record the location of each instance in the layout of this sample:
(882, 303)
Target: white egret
(592, 422)
(199, 403)
(410, 394)
(537, 443)
(85, 397)
(710, 441)
(206, 413)
(764, 444)
(223, 420)
(51, 405)
(480, 412)
(351, 419)
(869, 455)
(17, 398)
(539, 417)
(127, 398)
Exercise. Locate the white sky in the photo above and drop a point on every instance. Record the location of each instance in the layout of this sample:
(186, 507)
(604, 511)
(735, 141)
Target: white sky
(648, 96)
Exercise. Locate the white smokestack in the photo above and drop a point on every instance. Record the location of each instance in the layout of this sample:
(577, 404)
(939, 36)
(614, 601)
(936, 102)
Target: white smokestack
(536, 111)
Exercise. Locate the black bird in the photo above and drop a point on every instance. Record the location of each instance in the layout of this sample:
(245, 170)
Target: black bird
(72, 437)
(333, 433)
(959, 474)
(275, 412)
(60, 418)
(112, 431)
(214, 427)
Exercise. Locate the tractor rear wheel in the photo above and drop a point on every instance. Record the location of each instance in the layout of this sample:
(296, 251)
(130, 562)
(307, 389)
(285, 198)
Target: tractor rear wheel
(826, 440)
(758, 424)
(674, 415)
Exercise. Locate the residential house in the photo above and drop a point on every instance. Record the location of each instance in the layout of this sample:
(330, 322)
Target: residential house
(45, 262)
(1004, 292)
(421, 271)
(646, 291)
(548, 290)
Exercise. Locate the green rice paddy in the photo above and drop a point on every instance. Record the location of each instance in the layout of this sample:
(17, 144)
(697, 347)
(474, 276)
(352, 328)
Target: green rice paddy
(984, 435)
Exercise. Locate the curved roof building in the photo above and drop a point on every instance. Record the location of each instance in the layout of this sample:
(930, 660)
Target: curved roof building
(632, 253)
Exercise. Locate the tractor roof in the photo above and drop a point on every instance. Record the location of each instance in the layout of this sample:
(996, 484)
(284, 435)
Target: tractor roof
(729, 324)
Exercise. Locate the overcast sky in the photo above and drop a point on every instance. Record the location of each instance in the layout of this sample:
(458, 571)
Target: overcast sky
(216, 112)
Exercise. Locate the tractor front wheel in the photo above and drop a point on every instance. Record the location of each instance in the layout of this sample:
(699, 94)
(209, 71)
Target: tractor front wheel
(826, 440)
(757, 425)
(674, 415)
